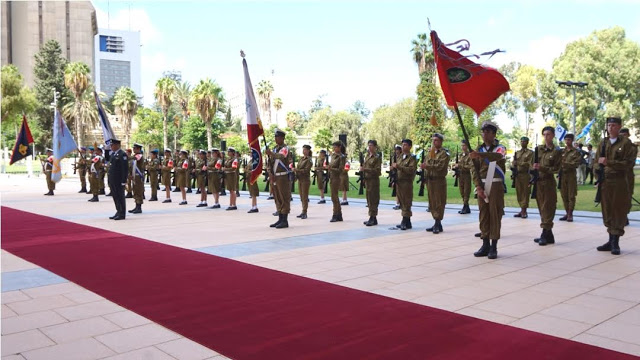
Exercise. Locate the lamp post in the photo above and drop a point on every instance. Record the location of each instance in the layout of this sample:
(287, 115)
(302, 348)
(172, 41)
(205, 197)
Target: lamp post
(573, 85)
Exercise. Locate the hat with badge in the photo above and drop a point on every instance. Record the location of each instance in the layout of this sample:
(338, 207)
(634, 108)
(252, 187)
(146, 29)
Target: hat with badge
(203, 152)
(524, 138)
(279, 132)
(184, 152)
(624, 131)
(490, 126)
(167, 150)
(231, 149)
(215, 149)
(614, 120)
(398, 146)
(155, 151)
(115, 141)
(90, 148)
(136, 145)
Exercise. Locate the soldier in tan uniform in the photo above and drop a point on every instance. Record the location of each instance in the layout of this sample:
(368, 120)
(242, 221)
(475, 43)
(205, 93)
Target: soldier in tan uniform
(231, 177)
(397, 149)
(254, 191)
(278, 167)
(436, 167)
(91, 155)
(336, 169)
(321, 162)
(201, 171)
(176, 159)
(344, 178)
(214, 170)
(372, 169)
(406, 164)
(94, 175)
(631, 179)
(47, 167)
(464, 167)
(571, 160)
(129, 186)
(490, 189)
(137, 178)
(549, 159)
(153, 165)
(167, 166)
(81, 167)
(620, 154)
(523, 161)
(303, 174)
(181, 169)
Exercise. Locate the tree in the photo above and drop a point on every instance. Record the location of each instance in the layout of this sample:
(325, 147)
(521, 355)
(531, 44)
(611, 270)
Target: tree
(83, 108)
(317, 104)
(265, 89)
(77, 79)
(194, 133)
(422, 54)
(181, 96)
(390, 124)
(239, 143)
(359, 107)
(427, 106)
(323, 138)
(341, 122)
(126, 103)
(49, 70)
(277, 104)
(148, 132)
(163, 92)
(525, 88)
(206, 98)
(16, 99)
(295, 121)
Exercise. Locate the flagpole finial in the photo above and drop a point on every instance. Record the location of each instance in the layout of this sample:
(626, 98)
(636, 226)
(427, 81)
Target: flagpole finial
(242, 54)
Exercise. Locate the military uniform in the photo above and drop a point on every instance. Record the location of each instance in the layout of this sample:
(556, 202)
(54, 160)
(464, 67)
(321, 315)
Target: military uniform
(407, 166)
(254, 191)
(129, 186)
(465, 165)
(138, 181)
(437, 166)
(118, 174)
(372, 169)
(97, 169)
(549, 160)
(344, 178)
(615, 194)
(48, 168)
(319, 170)
(337, 163)
(167, 166)
(153, 165)
(279, 171)
(81, 167)
(181, 168)
(524, 162)
(213, 172)
(231, 173)
(303, 174)
(571, 159)
(200, 174)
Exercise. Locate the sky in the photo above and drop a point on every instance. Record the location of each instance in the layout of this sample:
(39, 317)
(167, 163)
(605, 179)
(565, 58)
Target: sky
(346, 51)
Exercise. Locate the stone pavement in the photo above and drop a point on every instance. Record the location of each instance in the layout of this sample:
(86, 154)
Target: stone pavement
(567, 290)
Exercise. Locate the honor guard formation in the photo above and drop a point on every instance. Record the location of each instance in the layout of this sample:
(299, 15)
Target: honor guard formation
(536, 174)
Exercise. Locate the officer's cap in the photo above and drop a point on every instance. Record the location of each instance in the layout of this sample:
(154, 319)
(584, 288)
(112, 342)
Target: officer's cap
(279, 132)
(115, 141)
(203, 152)
(167, 151)
(308, 147)
(489, 125)
(231, 149)
(215, 149)
(524, 138)
(155, 151)
(184, 152)
(99, 149)
(136, 145)
(569, 136)
(323, 151)
(372, 142)
(615, 120)
(397, 146)
(408, 141)
(437, 136)
(49, 150)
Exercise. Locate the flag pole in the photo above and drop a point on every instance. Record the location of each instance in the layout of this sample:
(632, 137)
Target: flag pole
(466, 137)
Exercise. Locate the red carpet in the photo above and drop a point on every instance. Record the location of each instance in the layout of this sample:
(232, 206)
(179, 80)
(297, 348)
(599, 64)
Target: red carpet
(247, 312)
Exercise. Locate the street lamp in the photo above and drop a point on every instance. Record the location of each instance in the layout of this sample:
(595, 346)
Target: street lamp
(54, 104)
(573, 85)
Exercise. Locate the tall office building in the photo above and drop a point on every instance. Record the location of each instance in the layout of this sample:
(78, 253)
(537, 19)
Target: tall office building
(117, 61)
(27, 25)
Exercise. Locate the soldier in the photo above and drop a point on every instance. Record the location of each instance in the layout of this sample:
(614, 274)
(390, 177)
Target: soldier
(571, 160)
(105, 168)
(167, 166)
(201, 172)
(336, 167)
(214, 170)
(406, 165)
(47, 168)
(464, 167)
(129, 187)
(181, 169)
(177, 156)
(620, 155)
(490, 188)
(549, 159)
(582, 168)
(398, 153)
(303, 174)
(254, 191)
(97, 168)
(118, 171)
(630, 175)
(372, 169)
(591, 159)
(321, 162)
(436, 168)
(231, 177)
(344, 178)
(153, 165)
(81, 167)
(191, 173)
(137, 178)
(89, 158)
(523, 160)
(279, 160)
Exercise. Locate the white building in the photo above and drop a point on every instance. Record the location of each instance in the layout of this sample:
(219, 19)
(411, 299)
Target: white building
(117, 60)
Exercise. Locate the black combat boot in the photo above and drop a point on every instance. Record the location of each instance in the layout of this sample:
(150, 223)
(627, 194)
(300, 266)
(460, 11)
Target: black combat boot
(543, 234)
(277, 222)
(137, 209)
(303, 216)
(407, 224)
(484, 249)
(155, 198)
(493, 250)
(177, 189)
(550, 238)
(189, 190)
(477, 234)
(101, 192)
(83, 190)
(606, 246)
(543, 240)
(372, 221)
(435, 226)
(94, 199)
(198, 192)
(128, 196)
(615, 244)
(49, 193)
(401, 222)
(284, 223)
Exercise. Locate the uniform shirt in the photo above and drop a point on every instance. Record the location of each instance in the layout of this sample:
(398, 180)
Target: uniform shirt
(211, 168)
(303, 168)
(165, 164)
(199, 164)
(489, 154)
(438, 164)
(97, 165)
(571, 159)
(372, 166)
(320, 163)
(178, 166)
(407, 165)
(524, 160)
(138, 161)
(336, 165)
(282, 157)
(82, 162)
(228, 165)
(153, 165)
(620, 155)
(118, 170)
(465, 164)
(549, 160)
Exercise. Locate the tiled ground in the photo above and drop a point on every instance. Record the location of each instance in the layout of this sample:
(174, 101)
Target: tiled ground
(567, 290)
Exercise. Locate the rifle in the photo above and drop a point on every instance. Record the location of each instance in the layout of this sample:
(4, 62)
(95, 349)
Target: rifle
(560, 179)
(360, 174)
(265, 172)
(325, 176)
(456, 171)
(293, 173)
(223, 148)
(315, 175)
(393, 173)
(514, 170)
(534, 174)
(600, 172)
(75, 163)
(244, 175)
(421, 174)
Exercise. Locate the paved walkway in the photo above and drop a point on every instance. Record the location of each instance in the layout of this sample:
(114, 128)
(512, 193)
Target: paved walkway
(567, 290)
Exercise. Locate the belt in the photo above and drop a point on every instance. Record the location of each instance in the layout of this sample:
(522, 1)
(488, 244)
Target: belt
(495, 180)
(281, 173)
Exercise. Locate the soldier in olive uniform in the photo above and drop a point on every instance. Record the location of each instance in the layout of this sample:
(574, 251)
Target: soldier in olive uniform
(97, 168)
(398, 153)
(181, 167)
(278, 167)
(137, 178)
(549, 159)
(436, 168)
(631, 179)
(254, 191)
(176, 158)
(464, 167)
(167, 166)
(153, 165)
(303, 174)
(321, 162)
(336, 167)
(490, 189)
(92, 153)
(231, 177)
(129, 186)
(201, 172)
(372, 169)
(214, 170)
(522, 161)
(105, 168)
(81, 167)
(620, 155)
(406, 165)
(191, 172)
(344, 178)
(47, 167)
(571, 159)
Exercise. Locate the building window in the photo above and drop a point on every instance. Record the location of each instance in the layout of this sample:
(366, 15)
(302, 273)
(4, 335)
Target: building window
(113, 44)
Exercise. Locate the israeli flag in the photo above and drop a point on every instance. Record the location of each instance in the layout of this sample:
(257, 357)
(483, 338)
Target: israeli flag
(560, 132)
(586, 130)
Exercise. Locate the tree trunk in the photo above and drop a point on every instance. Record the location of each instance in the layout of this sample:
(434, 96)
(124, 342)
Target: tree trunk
(165, 136)
(78, 120)
(127, 128)
(209, 140)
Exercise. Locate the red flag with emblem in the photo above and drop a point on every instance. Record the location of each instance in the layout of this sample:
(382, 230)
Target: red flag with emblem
(254, 126)
(462, 80)
(22, 149)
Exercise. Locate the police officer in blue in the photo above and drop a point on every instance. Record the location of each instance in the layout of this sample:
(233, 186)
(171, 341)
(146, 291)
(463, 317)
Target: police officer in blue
(118, 173)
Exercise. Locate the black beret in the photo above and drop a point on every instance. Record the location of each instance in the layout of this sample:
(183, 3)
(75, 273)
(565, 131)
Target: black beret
(407, 141)
(524, 138)
(615, 120)
(437, 135)
(307, 146)
(570, 136)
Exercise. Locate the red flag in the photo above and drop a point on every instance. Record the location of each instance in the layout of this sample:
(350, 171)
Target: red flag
(22, 149)
(254, 126)
(464, 81)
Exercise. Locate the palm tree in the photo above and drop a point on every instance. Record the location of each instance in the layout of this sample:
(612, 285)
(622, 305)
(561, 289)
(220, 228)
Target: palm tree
(77, 79)
(207, 98)
(422, 53)
(181, 97)
(164, 90)
(84, 108)
(277, 104)
(126, 103)
(265, 89)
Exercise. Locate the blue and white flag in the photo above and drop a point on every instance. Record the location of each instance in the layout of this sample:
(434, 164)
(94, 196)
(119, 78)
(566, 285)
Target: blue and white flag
(107, 132)
(63, 144)
(560, 132)
(586, 129)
